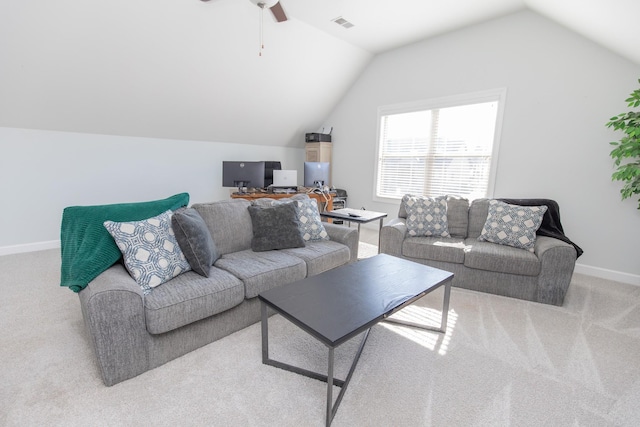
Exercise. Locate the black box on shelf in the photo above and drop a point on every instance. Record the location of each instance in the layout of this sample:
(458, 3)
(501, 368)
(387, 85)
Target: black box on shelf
(317, 137)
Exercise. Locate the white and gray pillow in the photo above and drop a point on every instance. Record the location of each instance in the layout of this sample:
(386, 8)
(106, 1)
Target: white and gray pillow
(512, 225)
(310, 223)
(150, 250)
(426, 216)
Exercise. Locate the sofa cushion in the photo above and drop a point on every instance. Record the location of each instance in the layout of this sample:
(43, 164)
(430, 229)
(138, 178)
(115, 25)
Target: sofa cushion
(261, 271)
(500, 258)
(478, 211)
(321, 255)
(191, 297)
(229, 223)
(457, 216)
(194, 239)
(512, 225)
(150, 250)
(434, 249)
(275, 227)
(426, 216)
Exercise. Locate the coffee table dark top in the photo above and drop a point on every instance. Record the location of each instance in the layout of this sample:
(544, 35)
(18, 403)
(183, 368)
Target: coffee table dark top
(338, 304)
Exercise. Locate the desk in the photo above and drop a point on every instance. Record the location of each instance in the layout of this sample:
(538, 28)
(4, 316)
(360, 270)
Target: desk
(363, 217)
(321, 199)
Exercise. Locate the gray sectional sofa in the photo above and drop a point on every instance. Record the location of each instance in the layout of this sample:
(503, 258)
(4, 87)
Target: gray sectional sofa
(542, 275)
(133, 332)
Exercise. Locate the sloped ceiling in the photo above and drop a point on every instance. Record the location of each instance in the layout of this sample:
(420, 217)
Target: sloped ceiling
(190, 70)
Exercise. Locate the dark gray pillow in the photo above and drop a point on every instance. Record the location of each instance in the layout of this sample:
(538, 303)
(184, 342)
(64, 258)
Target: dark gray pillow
(275, 227)
(195, 240)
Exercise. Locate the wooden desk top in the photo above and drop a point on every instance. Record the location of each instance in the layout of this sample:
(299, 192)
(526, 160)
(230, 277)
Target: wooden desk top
(324, 200)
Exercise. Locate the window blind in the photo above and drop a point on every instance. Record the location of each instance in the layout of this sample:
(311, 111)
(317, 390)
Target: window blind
(437, 151)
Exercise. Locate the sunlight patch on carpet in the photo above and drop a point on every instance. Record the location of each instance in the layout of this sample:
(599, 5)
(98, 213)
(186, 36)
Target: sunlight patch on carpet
(427, 316)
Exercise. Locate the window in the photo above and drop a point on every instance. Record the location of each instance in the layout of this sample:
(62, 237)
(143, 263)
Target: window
(438, 147)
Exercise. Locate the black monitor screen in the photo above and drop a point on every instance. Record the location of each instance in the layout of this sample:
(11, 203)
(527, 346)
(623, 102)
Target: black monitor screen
(316, 174)
(243, 174)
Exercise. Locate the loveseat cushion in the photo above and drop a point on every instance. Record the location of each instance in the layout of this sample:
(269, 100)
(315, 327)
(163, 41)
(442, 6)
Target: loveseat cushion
(229, 224)
(321, 256)
(434, 249)
(478, 212)
(261, 271)
(191, 297)
(500, 259)
(458, 216)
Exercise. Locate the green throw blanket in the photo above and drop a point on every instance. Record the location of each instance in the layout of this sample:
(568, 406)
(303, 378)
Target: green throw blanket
(87, 247)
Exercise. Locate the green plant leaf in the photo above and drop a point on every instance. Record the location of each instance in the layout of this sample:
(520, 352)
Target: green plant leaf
(627, 149)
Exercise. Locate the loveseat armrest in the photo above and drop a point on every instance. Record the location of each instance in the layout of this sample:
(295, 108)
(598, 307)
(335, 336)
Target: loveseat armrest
(392, 236)
(113, 310)
(558, 260)
(345, 235)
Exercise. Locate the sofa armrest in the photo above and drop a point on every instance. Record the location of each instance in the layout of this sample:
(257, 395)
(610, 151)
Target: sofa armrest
(345, 235)
(558, 261)
(392, 235)
(113, 310)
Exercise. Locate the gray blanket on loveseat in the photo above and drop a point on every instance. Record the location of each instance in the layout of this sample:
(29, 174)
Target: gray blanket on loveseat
(551, 225)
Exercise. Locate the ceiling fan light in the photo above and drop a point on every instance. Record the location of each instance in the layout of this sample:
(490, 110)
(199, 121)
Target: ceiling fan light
(265, 3)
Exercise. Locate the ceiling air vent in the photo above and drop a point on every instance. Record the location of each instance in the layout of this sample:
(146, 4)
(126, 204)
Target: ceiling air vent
(342, 22)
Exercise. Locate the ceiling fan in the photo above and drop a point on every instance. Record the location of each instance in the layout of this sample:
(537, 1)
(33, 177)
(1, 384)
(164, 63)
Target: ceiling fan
(273, 5)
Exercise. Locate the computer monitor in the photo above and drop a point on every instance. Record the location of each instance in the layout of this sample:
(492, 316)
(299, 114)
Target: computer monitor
(316, 174)
(243, 175)
(269, 167)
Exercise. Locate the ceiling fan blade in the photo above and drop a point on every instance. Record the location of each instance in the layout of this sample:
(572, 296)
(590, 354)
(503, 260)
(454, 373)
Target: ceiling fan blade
(278, 12)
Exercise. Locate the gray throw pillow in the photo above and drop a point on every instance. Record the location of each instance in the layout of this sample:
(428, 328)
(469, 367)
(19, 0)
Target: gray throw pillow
(195, 240)
(275, 227)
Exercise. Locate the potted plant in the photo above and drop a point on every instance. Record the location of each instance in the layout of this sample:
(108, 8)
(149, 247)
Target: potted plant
(626, 154)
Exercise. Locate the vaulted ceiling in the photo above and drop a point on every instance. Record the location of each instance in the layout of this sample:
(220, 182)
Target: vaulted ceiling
(191, 70)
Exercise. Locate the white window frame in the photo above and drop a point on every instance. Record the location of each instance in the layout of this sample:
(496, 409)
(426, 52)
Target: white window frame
(491, 95)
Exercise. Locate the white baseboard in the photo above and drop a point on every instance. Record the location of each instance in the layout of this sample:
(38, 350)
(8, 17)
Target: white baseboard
(29, 247)
(603, 273)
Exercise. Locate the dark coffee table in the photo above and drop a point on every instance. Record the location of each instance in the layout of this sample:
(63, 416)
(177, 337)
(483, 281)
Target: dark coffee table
(339, 304)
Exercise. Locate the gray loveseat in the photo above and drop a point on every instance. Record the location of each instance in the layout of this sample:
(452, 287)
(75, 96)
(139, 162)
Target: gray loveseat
(133, 332)
(542, 275)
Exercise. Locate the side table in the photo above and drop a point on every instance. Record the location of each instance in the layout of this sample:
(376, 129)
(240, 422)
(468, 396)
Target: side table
(359, 216)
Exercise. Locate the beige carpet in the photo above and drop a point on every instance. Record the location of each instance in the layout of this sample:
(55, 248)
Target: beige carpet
(502, 362)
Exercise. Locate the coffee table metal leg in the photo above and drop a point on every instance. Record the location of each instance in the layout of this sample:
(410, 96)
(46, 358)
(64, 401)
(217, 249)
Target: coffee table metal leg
(264, 324)
(332, 408)
(330, 412)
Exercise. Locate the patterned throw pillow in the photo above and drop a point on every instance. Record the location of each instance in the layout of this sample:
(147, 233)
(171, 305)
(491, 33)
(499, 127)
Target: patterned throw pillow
(512, 225)
(426, 216)
(149, 248)
(311, 227)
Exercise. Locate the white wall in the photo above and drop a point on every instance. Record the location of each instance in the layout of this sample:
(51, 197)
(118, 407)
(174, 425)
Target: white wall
(42, 172)
(168, 69)
(561, 90)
